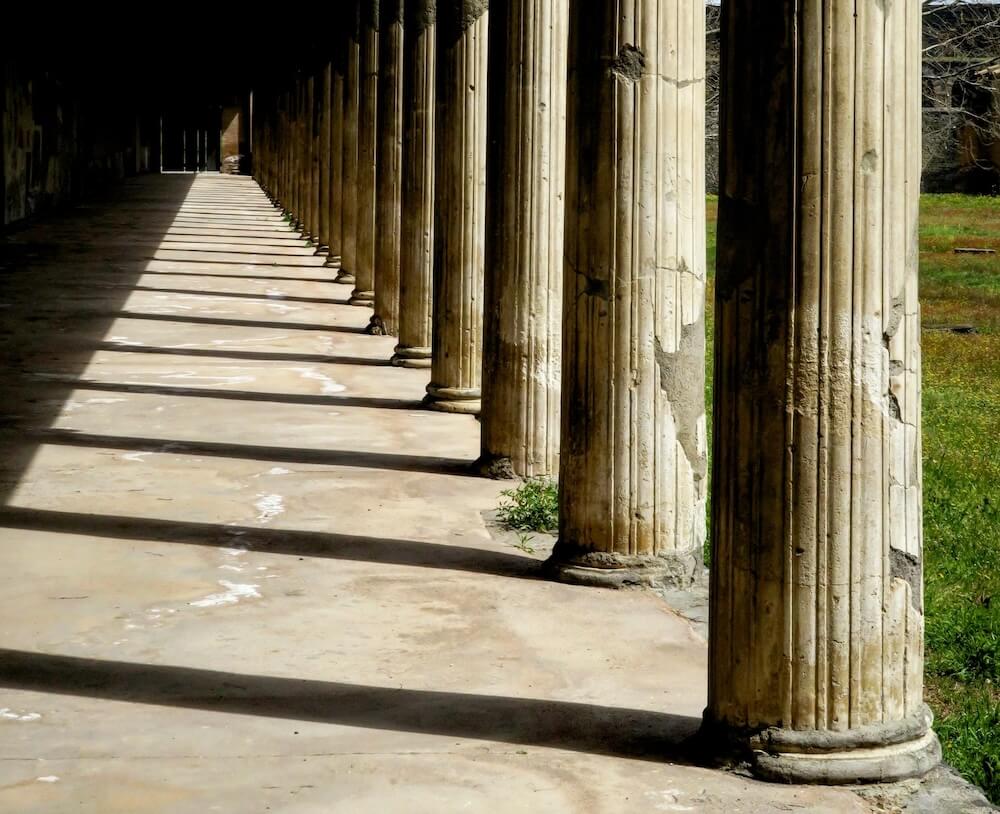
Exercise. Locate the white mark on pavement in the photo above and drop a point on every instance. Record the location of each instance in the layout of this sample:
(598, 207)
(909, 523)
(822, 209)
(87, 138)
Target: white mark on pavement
(329, 386)
(269, 506)
(49, 778)
(9, 714)
(136, 456)
(234, 593)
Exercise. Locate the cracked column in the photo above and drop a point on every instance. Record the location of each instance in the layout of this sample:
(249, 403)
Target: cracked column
(816, 652)
(460, 207)
(364, 270)
(632, 465)
(389, 177)
(349, 211)
(323, 144)
(524, 238)
(416, 233)
(335, 192)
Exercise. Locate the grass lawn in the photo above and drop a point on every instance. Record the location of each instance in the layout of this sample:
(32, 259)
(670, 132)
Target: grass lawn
(961, 438)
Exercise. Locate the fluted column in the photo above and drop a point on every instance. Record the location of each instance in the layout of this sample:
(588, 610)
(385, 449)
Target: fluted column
(323, 144)
(352, 84)
(524, 238)
(312, 159)
(632, 463)
(364, 272)
(389, 178)
(816, 656)
(460, 207)
(335, 224)
(416, 234)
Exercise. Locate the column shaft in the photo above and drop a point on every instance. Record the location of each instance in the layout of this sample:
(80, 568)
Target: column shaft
(364, 272)
(311, 157)
(816, 656)
(352, 84)
(524, 238)
(460, 207)
(416, 261)
(335, 228)
(390, 157)
(323, 144)
(633, 457)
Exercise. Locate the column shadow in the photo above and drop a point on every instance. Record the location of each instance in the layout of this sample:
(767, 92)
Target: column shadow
(577, 727)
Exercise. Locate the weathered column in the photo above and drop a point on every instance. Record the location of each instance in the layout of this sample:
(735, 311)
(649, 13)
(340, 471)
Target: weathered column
(302, 194)
(389, 178)
(323, 144)
(312, 158)
(816, 654)
(416, 234)
(632, 464)
(524, 238)
(460, 207)
(335, 226)
(352, 83)
(364, 272)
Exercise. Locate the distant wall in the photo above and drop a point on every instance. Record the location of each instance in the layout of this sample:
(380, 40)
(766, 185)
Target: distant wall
(60, 143)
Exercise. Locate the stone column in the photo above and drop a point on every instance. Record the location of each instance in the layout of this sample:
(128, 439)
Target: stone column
(460, 207)
(323, 145)
(524, 238)
(349, 212)
(335, 226)
(302, 194)
(816, 653)
(364, 271)
(416, 261)
(632, 465)
(312, 159)
(389, 178)
(295, 155)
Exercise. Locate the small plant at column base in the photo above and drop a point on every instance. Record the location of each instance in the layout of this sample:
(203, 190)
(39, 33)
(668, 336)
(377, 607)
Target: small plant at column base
(532, 506)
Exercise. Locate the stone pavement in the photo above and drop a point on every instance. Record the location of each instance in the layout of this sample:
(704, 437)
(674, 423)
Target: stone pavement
(242, 570)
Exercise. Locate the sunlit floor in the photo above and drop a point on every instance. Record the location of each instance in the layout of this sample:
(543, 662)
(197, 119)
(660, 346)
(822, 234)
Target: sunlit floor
(242, 570)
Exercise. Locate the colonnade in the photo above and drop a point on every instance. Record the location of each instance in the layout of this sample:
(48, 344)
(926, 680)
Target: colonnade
(516, 188)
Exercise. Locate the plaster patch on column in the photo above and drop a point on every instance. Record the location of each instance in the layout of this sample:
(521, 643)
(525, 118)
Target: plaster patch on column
(908, 568)
(470, 11)
(629, 64)
(677, 371)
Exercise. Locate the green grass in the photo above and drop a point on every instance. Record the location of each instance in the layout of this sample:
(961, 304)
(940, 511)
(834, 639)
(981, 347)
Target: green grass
(961, 422)
(961, 444)
(532, 506)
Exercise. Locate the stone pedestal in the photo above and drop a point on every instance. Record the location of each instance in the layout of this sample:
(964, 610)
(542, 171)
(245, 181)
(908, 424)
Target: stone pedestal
(352, 84)
(816, 652)
(524, 238)
(460, 207)
(416, 262)
(632, 463)
(364, 269)
(389, 179)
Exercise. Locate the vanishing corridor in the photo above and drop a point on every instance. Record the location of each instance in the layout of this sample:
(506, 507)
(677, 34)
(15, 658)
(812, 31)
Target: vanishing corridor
(242, 567)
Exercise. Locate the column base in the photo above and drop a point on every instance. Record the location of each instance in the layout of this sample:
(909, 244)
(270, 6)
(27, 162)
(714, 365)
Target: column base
(465, 400)
(411, 357)
(322, 248)
(346, 277)
(879, 753)
(333, 261)
(376, 327)
(496, 467)
(363, 298)
(605, 569)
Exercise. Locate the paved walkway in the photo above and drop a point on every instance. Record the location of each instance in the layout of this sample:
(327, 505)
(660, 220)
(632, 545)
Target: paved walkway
(242, 571)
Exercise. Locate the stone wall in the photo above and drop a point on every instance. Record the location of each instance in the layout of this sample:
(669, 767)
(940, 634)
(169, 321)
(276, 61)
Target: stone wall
(61, 141)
